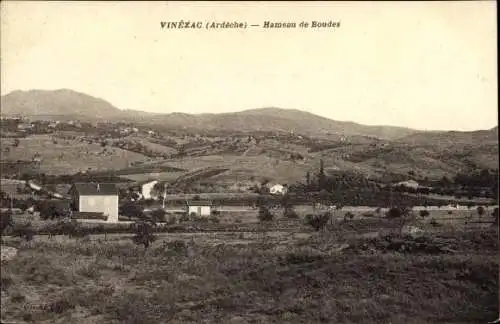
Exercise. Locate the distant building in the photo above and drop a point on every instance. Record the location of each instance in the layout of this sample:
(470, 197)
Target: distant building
(25, 126)
(147, 188)
(95, 198)
(199, 207)
(408, 184)
(277, 189)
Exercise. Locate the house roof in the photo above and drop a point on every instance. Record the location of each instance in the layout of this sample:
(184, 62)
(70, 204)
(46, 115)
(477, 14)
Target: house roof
(198, 202)
(93, 189)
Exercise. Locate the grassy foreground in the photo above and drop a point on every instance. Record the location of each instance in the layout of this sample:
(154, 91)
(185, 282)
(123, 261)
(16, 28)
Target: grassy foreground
(330, 277)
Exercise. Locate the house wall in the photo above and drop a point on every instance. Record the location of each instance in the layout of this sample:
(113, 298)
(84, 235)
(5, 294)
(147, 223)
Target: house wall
(146, 189)
(199, 210)
(100, 203)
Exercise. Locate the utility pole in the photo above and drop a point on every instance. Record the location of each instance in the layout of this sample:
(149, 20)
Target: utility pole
(164, 194)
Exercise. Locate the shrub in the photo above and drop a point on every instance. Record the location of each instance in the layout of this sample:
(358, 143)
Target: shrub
(349, 216)
(265, 215)
(424, 213)
(480, 210)
(394, 212)
(159, 215)
(184, 218)
(214, 219)
(172, 220)
(495, 213)
(6, 220)
(318, 221)
(144, 234)
(25, 232)
(290, 213)
(450, 212)
(51, 210)
(132, 210)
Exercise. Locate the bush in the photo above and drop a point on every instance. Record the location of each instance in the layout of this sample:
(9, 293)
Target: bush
(424, 213)
(159, 215)
(172, 220)
(394, 212)
(349, 216)
(495, 213)
(290, 213)
(318, 221)
(143, 234)
(184, 218)
(25, 232)
(6, 220)
(214, 219)
(480, 210)
(51, 210)
(131, 210)
(265, 215)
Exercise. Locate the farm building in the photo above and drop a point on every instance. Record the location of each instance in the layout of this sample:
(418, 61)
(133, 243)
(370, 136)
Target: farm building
(277, 189)
(147, 188)
(95, 198)
(199, 207)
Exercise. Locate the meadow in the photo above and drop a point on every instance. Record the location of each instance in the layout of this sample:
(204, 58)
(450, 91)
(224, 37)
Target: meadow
(68, 156)
(359, 271)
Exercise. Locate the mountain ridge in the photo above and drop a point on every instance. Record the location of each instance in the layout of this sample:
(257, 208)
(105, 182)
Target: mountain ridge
(67, 103)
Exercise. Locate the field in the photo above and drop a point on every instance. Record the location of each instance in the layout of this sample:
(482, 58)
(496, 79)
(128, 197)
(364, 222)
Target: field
(60, 156)
(351, 272)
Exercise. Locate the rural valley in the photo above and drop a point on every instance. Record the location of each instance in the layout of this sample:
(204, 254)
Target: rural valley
(290, 196)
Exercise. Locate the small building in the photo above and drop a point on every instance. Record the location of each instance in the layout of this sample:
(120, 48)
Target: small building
(199, 207)
(147, 189)
(95, 198)
(408, 184)
(277, 189)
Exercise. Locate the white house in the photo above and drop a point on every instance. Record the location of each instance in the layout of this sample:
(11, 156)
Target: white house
(277, 189)
(96, 198)
(199, 207)
(408, 184)
(147, 188)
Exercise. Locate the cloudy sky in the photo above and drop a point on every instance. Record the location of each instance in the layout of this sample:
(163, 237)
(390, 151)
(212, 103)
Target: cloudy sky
(421, 65)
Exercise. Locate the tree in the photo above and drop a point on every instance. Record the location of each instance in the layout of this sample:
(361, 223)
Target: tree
(132, 210)
(287, 205)
(6, 220)
(51, 210)
(321, 175)
(424, 213)
(480, 211)
(144, 233)
(158, 215)
(25, 232)
(264, 214)
(319, 221)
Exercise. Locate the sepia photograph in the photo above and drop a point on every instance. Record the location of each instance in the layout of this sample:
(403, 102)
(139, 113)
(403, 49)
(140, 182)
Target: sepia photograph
(249, 162)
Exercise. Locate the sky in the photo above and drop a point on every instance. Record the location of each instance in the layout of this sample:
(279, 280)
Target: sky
(423, 65)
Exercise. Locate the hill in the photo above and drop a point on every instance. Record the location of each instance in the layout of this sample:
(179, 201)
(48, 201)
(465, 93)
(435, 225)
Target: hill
(63, 102)
(68, 104)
